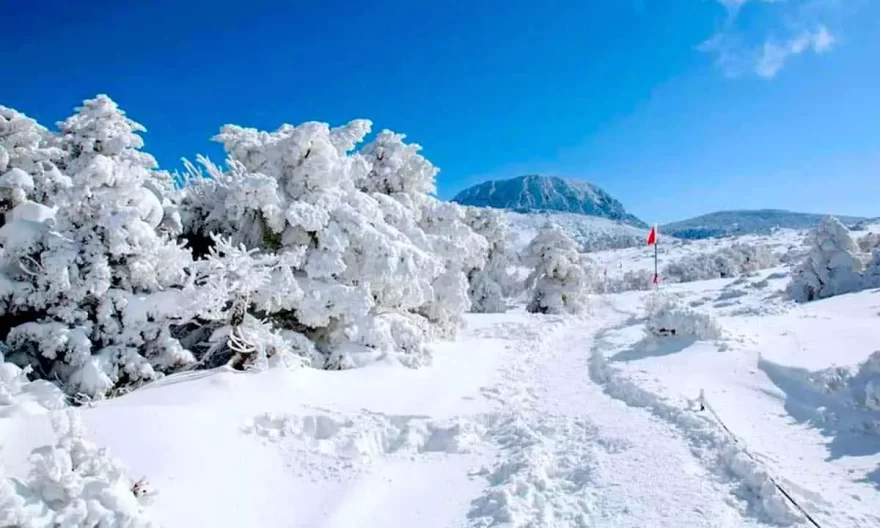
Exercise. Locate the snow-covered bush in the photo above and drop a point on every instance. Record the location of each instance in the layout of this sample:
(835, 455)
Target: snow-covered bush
(871, 275)
(731, 261)
(493, 284)
(234, 281)
(301, 249)
(560, 277)
(632, 280)
(28, 160)
(402, 181)
(832, 266)
(92, 288)
(74, 483)
(865, 385)
(868, 242)
(666, 317)
(365, 263)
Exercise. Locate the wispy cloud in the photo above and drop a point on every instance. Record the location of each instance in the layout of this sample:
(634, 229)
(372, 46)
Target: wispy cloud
(737, 54)
(774, 54)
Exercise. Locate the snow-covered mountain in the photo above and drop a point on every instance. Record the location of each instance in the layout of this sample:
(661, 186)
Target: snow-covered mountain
(534, 193)
(758, 221)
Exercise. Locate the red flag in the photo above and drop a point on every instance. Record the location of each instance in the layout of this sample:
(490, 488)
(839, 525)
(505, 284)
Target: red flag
(652, 236)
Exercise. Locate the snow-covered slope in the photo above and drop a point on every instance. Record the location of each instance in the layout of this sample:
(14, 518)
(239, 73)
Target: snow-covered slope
(527, 420)
(761, 221)
(592, 232)
(546, 193)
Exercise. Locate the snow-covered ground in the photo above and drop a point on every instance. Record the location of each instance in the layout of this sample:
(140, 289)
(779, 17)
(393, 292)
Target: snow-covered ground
(525, 420)
(591, 232)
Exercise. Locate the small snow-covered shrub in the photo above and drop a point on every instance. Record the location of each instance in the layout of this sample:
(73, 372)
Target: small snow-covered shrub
(866, 384)
(666, 317)
(560, 280)
(868, 242)
(28, 161)
(74, 483)
(832, 266)
(632, 280)
(727, 262)
(871, 275)
(493, 284)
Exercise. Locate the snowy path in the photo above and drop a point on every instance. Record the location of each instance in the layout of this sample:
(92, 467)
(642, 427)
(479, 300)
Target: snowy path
(583, 458)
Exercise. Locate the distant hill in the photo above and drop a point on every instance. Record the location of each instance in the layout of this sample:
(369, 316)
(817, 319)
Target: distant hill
(535, 193)
(759, 221)
(591, 232)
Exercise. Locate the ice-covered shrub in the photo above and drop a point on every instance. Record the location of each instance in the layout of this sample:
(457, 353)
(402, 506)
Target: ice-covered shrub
(866, 384)
(727, 262)
(402, 181)
(666, 317)
(868, 242)
(74, 483)
(832, 266)
(560, 279)
(368, 263)
(493, 284)
(233, 283)
(871, 275)
(28, 160)
(92, 288)
(632, 280)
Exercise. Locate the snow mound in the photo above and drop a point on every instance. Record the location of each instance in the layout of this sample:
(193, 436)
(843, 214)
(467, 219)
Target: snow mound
(18, 395)
(842, 400)
(666, 317)
(538, 481)
(74, 483)
(709, 442)
(351, 443)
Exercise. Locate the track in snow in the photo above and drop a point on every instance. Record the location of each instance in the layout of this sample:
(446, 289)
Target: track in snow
(566, 442)
(570, 454)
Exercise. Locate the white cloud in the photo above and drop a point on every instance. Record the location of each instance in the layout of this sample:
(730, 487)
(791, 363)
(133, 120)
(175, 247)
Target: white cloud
(775, 54)
(736, 56)
(823, 40)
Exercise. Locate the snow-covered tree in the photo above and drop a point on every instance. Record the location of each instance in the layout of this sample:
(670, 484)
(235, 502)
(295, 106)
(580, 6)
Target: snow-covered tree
(74, 483)
(96, 286)
(560, 277)
(28, 160)
(831, 268)
(667, 317)
(871, 275)
(364, 262)
(868, 242)
(493, 284)
(233, 282)
(402, 180)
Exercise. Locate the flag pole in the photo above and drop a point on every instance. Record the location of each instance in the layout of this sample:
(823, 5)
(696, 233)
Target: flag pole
(656, 275)
(653, 235)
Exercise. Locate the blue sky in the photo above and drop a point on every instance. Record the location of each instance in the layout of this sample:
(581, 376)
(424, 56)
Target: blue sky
(676, 107)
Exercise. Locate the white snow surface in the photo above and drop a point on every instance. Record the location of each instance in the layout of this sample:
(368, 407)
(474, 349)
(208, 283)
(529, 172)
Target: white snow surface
(591, 232)
(525, 420)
